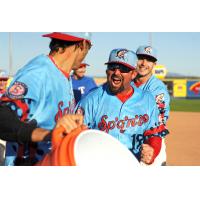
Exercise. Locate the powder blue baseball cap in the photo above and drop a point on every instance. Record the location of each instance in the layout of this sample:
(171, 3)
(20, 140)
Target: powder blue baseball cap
(147, 51)
(123, 56)
(70, 36)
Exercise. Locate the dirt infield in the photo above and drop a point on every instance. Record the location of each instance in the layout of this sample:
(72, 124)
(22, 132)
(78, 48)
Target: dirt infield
(183, 142)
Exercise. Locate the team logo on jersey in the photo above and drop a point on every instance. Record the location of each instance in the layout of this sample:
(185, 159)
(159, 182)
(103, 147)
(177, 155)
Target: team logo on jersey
(122, 124)
(17, 91)
(122, 54)
(148, 50)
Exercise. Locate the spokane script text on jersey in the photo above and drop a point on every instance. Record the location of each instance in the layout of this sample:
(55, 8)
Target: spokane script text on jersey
(62, 111)
(122, 124)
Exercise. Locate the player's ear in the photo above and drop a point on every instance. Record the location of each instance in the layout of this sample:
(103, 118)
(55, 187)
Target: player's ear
(134, 73)
(61, 50)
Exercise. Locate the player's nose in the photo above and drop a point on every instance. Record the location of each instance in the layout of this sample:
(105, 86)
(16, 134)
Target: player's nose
(144, 61)
(117, 71)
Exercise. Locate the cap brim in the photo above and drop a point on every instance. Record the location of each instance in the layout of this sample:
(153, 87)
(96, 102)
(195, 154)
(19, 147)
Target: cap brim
(147, 56)
(65, 37)
(122, 63)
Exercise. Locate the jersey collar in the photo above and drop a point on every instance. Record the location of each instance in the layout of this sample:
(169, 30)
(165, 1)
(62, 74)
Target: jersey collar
(124, 98)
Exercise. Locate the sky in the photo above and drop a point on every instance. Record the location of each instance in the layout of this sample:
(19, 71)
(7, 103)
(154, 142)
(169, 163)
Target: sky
(179, 52)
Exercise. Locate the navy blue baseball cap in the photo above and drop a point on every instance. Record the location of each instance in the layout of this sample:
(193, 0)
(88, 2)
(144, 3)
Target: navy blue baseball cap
(123, 56)
(147, 51)
(70, 36)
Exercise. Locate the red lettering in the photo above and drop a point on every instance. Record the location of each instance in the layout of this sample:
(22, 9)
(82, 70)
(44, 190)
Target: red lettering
(62, 111)
(102, 125)
(111, 125)
(120, 124)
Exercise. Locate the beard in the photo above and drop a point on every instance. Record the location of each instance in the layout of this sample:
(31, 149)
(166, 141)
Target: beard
(115, 90)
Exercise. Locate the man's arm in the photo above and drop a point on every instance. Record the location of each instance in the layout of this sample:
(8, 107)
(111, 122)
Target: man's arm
(12, 129)
(154, 135)
(68, 122)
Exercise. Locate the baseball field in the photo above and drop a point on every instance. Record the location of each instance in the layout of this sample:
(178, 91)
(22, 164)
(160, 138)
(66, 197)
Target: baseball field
(183, 142)
(187, 105)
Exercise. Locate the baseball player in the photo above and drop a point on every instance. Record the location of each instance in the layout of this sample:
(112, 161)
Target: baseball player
(3, 82)
(145, 80)
(82, 84)
(124, 111)
(40, 97)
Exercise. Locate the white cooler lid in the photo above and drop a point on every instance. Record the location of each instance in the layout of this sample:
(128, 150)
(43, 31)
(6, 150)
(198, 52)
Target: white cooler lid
(97, 148)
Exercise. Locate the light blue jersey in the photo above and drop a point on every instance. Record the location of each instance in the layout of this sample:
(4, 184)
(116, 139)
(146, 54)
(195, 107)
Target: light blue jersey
(131, 122)
(158, 89)
(39, 92)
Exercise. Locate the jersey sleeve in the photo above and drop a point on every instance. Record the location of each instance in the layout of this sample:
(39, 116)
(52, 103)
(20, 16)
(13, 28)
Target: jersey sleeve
(26, 85)
(160, 131)
(155, 132)
(22, 92)
(162, 99)
(154, 128)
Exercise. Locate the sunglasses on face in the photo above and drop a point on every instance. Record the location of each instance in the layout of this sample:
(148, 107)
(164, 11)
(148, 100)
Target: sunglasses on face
(121, 68)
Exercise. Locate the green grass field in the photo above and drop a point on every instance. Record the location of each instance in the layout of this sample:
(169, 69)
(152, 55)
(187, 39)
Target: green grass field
(186, 105)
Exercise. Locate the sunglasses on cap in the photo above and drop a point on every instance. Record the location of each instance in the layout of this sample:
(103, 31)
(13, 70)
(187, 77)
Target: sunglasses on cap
(121, 68)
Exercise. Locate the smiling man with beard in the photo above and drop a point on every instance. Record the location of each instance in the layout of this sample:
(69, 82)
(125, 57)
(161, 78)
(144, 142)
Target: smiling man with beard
(124, 111)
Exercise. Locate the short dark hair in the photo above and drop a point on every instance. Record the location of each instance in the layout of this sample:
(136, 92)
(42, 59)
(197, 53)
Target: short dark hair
(55, 44)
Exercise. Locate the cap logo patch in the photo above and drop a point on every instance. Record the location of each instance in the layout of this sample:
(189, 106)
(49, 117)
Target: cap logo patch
(18, 90)
(122, 54)
(148, 50)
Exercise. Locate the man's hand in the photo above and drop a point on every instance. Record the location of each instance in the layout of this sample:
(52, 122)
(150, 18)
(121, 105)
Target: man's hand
(70, 122)
(147, 153)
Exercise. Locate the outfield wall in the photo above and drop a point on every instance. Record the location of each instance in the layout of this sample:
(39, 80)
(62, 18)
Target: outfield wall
(183, 88)
(178, 88)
